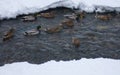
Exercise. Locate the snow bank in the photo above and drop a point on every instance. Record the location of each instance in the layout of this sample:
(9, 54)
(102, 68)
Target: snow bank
(84, 66)
(12, 8)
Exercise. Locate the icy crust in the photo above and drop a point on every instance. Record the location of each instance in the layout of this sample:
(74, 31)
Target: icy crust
(13, 8)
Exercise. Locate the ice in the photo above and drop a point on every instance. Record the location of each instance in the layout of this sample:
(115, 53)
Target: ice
(13, 8)
(99, 66)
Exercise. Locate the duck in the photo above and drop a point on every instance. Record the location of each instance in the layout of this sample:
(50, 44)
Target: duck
(9, 34)
(80, 15)
(33, 31)
(103, 17)
(76, 42)
(47, 15)
(72, 16)
(55, 29)
(28, 18)
(67, 23)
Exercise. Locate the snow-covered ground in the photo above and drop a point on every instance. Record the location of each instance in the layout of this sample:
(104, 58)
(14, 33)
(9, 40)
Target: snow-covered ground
(84, 66)
(12, 8)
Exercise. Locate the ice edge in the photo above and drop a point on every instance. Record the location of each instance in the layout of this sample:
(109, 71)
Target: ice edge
(67, 3)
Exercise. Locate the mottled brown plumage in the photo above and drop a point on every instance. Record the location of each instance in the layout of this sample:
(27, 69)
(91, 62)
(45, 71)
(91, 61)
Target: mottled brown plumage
(104, 17)
(76, 41)
(47, 15)
(67, 23)
(9, 34)
(55, 29)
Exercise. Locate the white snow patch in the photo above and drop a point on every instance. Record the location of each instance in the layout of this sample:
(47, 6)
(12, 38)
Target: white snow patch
(12, 8)
(84, 66)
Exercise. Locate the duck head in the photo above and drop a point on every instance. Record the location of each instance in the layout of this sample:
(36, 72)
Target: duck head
(39, 27)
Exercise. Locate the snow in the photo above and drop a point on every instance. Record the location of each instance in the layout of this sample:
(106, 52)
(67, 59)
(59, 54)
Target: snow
(99, 66)
(13, 8)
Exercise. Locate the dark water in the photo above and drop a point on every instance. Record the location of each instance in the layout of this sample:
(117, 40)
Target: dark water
(97, 39)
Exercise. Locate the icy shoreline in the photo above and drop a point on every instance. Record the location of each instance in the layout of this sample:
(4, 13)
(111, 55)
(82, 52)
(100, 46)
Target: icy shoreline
(13, 8)
(84, 66)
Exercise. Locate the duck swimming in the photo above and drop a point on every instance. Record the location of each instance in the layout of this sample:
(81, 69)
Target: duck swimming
(9, 34)
(103, 17)
(67, 23)
(80, 15)
(54, 29)
(33, 31)
(72, 16)
(28, 18)
(47, 15)
(76, 42)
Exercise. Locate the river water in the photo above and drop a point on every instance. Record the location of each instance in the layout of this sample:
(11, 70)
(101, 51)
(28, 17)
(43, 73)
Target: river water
(97, 39)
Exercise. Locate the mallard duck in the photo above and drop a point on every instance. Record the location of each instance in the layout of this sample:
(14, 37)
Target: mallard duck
(67, 23)
(54, 29)
(103, 17)
(76, 41)
(47, 15)
(72, 16)
(33, 31)
(28, 18)
(80, 16)
(8, 34)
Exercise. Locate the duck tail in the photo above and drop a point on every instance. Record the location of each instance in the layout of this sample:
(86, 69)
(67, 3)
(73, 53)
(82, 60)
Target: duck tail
(26, 33)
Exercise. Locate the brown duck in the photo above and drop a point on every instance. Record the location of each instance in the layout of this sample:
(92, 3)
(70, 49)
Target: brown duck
(103, 17)
(47, 15)
(67, 23)
(76, 42)
(9, 34)
(80, 16)
(53, 29)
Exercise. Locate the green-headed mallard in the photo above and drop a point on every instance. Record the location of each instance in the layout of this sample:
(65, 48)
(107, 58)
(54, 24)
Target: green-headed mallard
(9, 34)
(55, 29)
(67, 23)
(28, 18)
(76, 41)
(33, 31)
